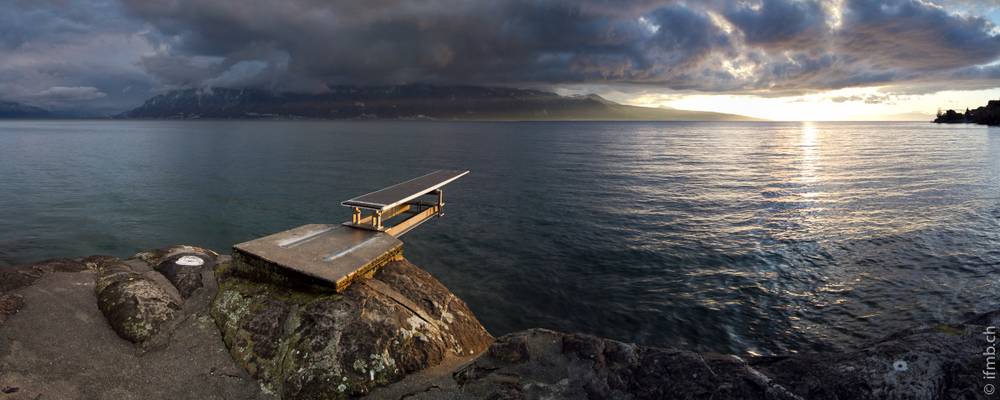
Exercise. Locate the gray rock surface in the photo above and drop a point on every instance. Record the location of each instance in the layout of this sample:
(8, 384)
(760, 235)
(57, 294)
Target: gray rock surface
(14, 278)
(60, 346)
(10, 304)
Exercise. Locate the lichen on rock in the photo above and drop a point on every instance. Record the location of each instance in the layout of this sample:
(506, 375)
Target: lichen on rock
(135, 306)
(306, 344)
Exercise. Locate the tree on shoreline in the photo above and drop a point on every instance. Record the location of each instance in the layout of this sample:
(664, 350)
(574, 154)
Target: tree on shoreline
(986, 115)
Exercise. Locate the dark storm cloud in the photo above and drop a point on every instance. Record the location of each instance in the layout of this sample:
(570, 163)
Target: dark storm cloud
(767, 47)
(915, 37)
(778, 22)
(71, 55)
(442, 41)
(779, 45)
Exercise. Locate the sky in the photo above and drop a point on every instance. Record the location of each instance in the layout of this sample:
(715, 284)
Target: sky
(774, 59)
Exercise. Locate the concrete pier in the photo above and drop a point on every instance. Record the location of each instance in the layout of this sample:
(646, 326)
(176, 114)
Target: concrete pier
(316, 255)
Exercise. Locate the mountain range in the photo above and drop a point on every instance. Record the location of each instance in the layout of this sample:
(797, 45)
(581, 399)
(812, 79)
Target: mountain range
(9, 109)
(408, 102)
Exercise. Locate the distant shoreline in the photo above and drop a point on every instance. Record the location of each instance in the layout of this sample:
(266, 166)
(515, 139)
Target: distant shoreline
(986, 115)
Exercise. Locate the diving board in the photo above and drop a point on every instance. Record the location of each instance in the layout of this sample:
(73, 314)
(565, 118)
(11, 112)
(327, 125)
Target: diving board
(324, 256)
(402, 199)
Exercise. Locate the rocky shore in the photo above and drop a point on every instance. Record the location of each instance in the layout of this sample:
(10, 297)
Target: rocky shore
(181, 322)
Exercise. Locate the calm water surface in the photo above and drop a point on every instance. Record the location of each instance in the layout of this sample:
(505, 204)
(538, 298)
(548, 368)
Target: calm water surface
(739, 237)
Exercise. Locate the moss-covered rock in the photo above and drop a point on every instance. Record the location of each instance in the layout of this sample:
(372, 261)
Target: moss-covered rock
(322, 345)
(134, 305)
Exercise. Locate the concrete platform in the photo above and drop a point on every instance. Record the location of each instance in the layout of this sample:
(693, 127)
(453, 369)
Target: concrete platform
(316, 255)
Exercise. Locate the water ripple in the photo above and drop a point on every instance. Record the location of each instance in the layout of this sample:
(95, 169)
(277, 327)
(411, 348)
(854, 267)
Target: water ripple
(736, 237)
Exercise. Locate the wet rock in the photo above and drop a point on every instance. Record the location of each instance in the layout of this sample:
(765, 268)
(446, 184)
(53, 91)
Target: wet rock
(309, 345)
(941, 361)
(544, 364)
(135, 306)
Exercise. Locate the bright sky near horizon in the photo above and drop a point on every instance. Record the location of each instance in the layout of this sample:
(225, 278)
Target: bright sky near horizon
(774, 59)
(852, 104)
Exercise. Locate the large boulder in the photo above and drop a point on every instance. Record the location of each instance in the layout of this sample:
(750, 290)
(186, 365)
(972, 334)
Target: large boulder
(135, 306)
(322, 345)
(141, 295)
(183, 269)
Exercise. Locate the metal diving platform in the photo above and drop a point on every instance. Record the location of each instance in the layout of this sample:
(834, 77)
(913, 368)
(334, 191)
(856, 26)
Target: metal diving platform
(324, 256)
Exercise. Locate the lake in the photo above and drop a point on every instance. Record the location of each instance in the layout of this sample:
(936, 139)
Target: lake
(756, 238)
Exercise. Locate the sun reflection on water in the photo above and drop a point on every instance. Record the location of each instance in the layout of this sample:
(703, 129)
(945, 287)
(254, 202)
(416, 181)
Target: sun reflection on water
(809, 146)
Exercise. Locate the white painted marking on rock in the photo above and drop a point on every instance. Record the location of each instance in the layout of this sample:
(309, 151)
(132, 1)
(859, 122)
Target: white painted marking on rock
(302, 238)
(349, 249)
(190, 261)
